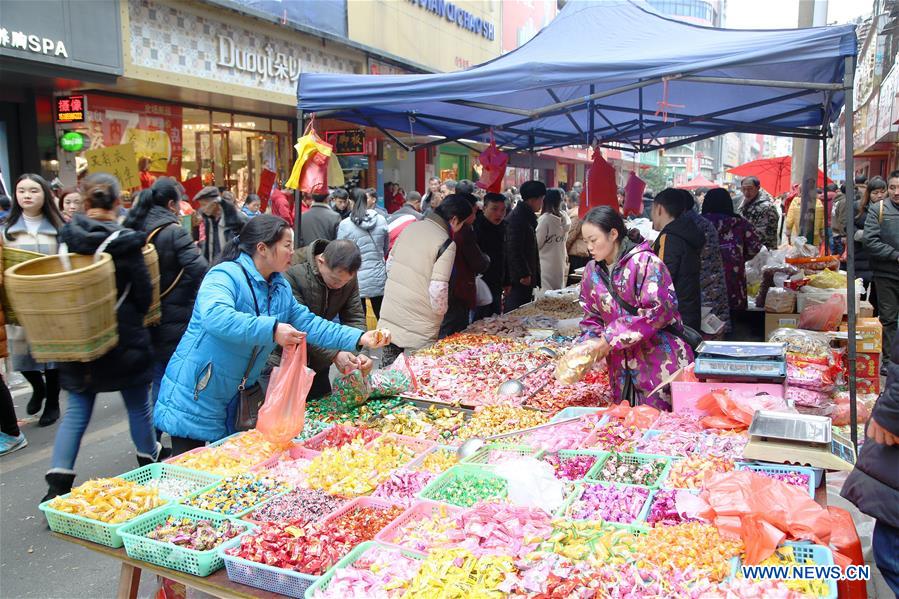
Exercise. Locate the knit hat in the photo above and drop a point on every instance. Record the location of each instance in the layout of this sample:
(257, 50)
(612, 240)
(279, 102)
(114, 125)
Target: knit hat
(207, 193)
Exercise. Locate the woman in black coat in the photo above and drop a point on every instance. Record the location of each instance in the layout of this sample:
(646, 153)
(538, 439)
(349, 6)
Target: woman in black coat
(127, 367)
(181, 268)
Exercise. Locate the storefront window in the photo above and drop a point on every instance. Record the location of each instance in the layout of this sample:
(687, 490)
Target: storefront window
(195, 134)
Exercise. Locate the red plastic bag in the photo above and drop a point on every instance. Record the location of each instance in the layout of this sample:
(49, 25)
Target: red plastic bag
(824, 317)
(642, 417)
(314, 178)
(763, 512)
(281, 416)
(633, 195)
(729, 412)
(602, 188)
(494, 167)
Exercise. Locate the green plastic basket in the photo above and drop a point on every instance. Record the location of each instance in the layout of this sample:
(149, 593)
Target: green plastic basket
(418, 462)
(169, 555)
(350, 558)
(454, 473)
(593, 476)
(482, 456)
(87, 528)
(200, 481)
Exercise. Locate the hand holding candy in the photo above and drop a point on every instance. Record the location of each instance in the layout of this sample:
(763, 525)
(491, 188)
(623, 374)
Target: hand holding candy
(375, 339)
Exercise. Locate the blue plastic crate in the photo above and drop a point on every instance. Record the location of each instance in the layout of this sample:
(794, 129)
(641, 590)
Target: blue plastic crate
(268, 578)
(781, 469)
(817, 554)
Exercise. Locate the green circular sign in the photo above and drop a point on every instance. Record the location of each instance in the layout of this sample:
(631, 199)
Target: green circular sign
(71, 141)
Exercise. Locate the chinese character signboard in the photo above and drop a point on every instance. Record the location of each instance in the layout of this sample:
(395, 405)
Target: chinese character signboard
(347, 143)
(70, 109)
(119, 161)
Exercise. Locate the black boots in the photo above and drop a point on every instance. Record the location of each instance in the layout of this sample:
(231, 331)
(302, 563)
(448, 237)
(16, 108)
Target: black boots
(59, 483)
(162, 453)
(41, 391)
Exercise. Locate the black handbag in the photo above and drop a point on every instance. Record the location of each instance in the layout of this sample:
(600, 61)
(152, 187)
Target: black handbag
(250, 398)
(687, 334)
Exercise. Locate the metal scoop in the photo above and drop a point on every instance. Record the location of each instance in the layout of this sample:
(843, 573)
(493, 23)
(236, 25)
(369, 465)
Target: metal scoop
(471, 446)
(514, 387)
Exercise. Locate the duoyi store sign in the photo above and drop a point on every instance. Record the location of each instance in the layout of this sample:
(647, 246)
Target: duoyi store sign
(264, 65)
(462, 18)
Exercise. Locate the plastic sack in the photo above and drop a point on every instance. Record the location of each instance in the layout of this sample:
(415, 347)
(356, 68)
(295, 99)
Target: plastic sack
(633, 195)
(642, 417)
(768, 274)
(763, 512)
(484, 295)
(350, 390)
(576, 362)
(281, 416)
(803, 342)
(780, 301)
(826, 316)
(808, 398)
(730, 412)
(389, 383)
(314, 177)
(532, 483)
(403, 364)
(494, 167)
(828, 279)
(863, 406)
(811, 374)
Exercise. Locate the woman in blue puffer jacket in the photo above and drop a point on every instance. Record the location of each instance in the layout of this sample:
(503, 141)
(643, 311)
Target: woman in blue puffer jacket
(368, 229)
(244, 304)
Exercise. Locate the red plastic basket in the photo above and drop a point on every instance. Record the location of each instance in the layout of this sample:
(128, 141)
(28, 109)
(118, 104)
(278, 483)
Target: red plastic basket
(421, 510)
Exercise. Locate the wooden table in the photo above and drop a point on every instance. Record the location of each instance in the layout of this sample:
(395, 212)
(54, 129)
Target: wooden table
(217, 584)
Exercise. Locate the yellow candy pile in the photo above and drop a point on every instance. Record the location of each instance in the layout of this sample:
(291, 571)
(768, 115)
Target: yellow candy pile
(353, 470)
(495, 420)
(694, 547)
(594, 541)
(784, 556)
(457, 574)
(438, 461)
(109, 500)
(236, 455)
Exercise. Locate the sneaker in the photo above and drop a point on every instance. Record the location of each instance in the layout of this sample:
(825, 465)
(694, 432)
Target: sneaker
(9, 444)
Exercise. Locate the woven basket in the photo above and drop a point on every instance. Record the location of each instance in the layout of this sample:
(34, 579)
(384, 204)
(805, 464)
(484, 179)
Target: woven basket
(9, 258)
(69, 316)
(151, 258)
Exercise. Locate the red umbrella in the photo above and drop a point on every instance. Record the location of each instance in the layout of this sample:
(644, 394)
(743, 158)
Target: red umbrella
(698, 182)
(773, 173)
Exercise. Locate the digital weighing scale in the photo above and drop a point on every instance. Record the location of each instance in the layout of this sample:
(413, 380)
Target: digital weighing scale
(748, 362)
(788, 438)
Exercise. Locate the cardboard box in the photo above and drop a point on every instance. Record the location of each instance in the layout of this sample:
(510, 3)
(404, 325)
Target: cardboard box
(868, 335)
(685, 394)
(867, 366)
(780, 321)
(867, 386)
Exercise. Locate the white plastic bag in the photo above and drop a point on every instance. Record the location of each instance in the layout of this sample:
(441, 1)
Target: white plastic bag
(484, 295)
(532, 483)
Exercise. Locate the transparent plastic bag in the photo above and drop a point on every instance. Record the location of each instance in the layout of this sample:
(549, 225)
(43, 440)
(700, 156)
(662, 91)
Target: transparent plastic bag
(828, 279)
(282, 415)
(351, 390)
(807, 343)
(780, 301)
(576, 362)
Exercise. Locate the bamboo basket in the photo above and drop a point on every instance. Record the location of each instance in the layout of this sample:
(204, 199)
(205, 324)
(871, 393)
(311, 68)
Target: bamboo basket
(9, 258)
(69, 316)
(151, 258)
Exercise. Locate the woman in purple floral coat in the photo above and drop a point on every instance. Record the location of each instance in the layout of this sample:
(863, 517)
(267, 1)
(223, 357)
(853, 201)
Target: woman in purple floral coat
(738, 240)
(642, 349)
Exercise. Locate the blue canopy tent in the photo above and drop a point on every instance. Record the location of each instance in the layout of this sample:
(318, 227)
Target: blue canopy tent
(616, 73)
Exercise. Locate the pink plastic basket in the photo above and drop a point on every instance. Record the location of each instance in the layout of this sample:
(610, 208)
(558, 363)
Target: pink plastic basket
(358, 502)
(421, 510)
(295, 452)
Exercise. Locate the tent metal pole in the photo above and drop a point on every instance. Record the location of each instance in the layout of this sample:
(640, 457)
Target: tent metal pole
(764, 83)
(848, 81)
(828, 228)
(593, 117)
(571, 120)
(640, 114)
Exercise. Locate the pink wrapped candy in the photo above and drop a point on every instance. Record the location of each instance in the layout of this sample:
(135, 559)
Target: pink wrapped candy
(369, 576)
(493, 528)
(664, 509)
(678, 421)
(673, 443)
(570, 467)
(614, 436)
(610, 503)
(403, 486)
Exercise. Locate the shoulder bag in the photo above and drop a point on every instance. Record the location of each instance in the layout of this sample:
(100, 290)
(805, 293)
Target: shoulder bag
(252, 397)
(180, 274)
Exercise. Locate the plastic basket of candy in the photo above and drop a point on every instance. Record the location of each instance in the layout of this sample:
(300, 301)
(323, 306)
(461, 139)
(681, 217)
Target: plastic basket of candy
(605, 501)
(802, 554)
(193, 547)
(799, 476)
(464, 485)
(396, 532)
(174, 482)
(360, 552)
(494, 453)
(652, 468)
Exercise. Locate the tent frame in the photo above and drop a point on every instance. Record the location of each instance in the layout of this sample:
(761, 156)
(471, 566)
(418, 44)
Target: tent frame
(589, 103)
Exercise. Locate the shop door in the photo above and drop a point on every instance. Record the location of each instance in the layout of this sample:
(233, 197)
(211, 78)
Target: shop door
(213, 157)
(262, 154)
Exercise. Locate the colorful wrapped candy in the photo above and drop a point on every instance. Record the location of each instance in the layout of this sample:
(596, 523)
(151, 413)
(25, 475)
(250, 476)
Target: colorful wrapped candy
(673, 443)
(456, 573)
(361, 523)
(784, 556)
(109, 500)
(237, 494)
(466, 489)
(299, 505)
(691, 550)
(593, 541)
(692, 472)
(198, 535)
(293, 546)
(403, 486)
(425, 530)
(570, 467)
(614, 436)
(664, 510)
(438, 461)
(494, 420)
(338, 436)
(494, 528)
(380, 572)
(630, 469)
(354, 470)
(610, 503)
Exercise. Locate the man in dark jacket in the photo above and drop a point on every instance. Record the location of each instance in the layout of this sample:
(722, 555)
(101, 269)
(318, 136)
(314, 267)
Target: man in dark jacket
(405, 216)
(522, 253)
(881, 239)
(470, 262)
(323, 278)
(340, 202)
(679, 245)
(490, 232)
(873, 485)
(319, 222)
(221, 222)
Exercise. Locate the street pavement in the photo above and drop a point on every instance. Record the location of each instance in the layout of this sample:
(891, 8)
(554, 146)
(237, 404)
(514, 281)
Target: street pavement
(33, 563)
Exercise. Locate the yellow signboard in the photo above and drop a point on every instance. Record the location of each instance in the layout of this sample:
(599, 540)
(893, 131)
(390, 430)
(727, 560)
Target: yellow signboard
(119, 161)
(444, 35)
